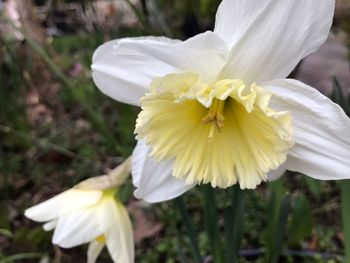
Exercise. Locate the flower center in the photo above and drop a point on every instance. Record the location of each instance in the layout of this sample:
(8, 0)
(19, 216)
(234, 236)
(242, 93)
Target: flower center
(215, 117)
(222, 134)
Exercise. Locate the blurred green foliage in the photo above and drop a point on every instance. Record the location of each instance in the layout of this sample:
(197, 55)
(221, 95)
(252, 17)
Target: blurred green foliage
(295, 219)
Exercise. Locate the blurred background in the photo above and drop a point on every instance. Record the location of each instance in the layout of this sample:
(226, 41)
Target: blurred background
(57, 129)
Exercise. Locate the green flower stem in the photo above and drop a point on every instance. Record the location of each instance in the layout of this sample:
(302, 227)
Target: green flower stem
(234, 224)
(278, 212)
(212, 223)
(180, 205)
(345, 204)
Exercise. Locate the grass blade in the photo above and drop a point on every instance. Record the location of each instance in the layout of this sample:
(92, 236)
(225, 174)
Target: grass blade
(345, 205)
(5, 232)
(234, 225)
(314, 186)
(212, 223)
(179, 204)
(20, 257)
(278, 210)
(337, 93)
(280, 230)
(339, 97)
(302, 220)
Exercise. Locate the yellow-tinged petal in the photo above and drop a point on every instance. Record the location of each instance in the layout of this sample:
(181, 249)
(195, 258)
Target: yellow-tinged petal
(117, 229)
(64, 203)
(116, 177)
(88, 214)
(94, 250)
(220, 133)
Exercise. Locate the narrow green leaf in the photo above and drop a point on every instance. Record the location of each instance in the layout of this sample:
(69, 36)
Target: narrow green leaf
(94, 117)
(20, 257)
(314, 186)
(212, 223)
(337, 93)
(140, 15)
(161, 21)
(275, 215)
(276, 194)
(280, 230)
(339, 97)
(345, 205)
(192, 235)
(302, 221)
(234, 225)
(204, 7)
(6, 232)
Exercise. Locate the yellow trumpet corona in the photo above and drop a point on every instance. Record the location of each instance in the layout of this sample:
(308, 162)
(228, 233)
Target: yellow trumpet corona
(220, 134)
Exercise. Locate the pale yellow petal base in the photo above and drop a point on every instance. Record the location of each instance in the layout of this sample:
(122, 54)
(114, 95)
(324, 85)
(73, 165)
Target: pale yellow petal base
(219, 134)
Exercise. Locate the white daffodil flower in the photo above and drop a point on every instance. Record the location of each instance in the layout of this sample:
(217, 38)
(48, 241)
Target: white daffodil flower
(217, 108)
(90, 213)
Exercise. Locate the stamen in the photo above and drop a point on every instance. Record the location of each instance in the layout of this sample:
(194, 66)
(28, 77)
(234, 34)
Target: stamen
(211, 131)
(215, 116)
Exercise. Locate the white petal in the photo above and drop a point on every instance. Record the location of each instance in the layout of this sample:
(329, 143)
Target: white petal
(154, 180)
(65, 202)
(124, 69)
(94, 250)
(50, 225)
(276, 174)
(322, 129)
(77, 228)
(115, 223)
(269, 38)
